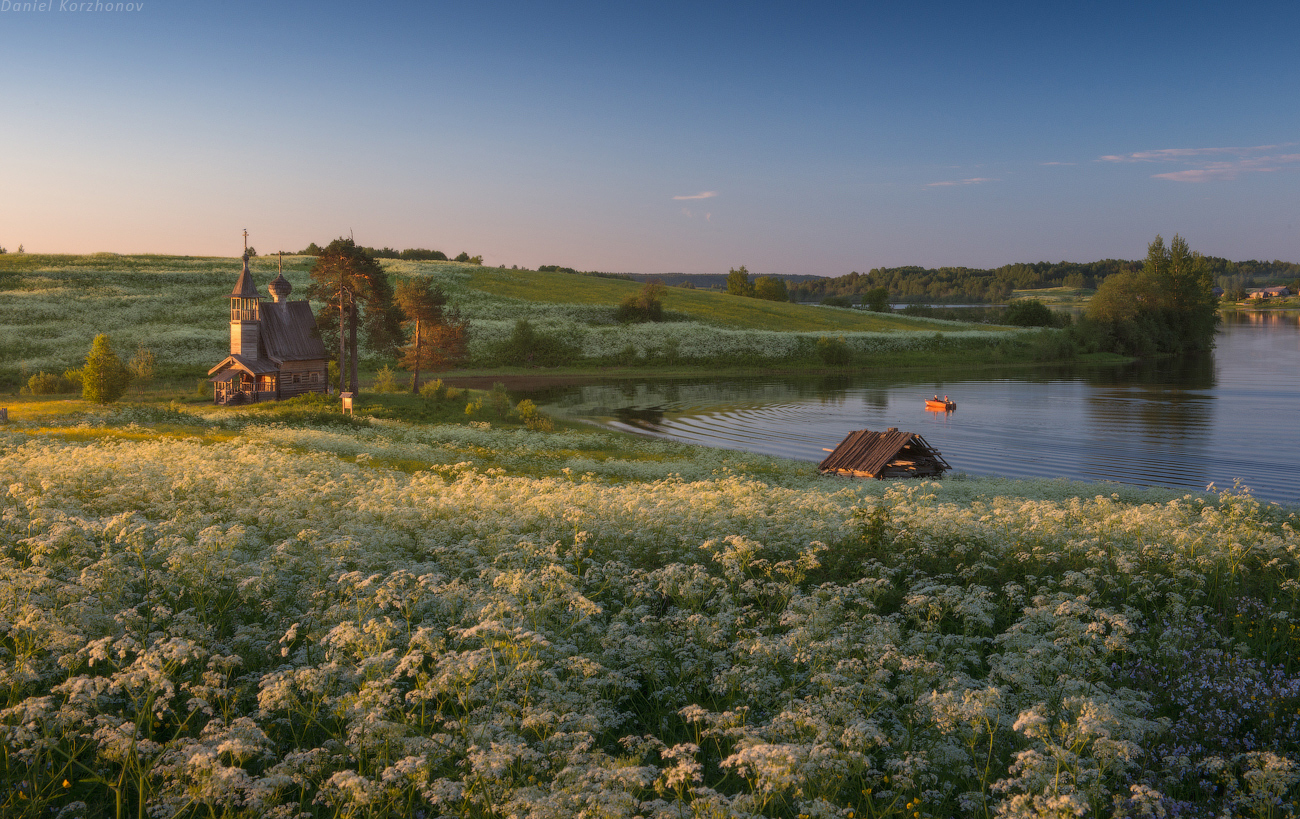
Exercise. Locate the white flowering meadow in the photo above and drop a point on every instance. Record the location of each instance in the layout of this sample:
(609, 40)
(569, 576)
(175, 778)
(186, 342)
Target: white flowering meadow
(392, 620)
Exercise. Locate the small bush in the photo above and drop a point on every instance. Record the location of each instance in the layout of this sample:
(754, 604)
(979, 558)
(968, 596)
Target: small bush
(142, 366)
(498, 400)
(1030, 313)
(434, 390)
(627, 356)
(1053, 345)
(834, 352)
(44, 383)
(474, 407)
(526, 346)
(386, 381)
(877, 300)
(672, 351)
(644, 306)
(533, 419)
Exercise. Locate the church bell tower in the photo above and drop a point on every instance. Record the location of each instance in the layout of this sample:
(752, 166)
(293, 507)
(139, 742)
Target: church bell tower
(245, 313)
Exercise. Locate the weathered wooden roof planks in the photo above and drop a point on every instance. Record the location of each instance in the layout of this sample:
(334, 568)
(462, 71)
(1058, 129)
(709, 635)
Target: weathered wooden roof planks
(888, 454)
(289, 331)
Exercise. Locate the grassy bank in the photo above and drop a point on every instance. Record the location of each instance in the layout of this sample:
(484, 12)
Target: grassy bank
(253, 612)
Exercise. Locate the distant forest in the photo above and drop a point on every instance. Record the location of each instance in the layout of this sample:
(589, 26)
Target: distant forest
(949, 285)
(923, 285)
(958, 285)
(414, 254)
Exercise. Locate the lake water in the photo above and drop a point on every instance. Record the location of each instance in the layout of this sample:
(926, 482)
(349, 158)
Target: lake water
(1185, 424)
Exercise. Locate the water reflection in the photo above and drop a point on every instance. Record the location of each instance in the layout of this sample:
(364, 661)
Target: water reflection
(1180, 422)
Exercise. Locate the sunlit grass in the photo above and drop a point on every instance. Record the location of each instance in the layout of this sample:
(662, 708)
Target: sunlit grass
(710, 307)
(1056, 295)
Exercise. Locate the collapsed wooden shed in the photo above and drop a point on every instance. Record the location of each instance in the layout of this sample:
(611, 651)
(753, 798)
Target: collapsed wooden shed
(880, 455)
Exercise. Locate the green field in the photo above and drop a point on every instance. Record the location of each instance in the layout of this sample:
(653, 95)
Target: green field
(1057, 296)
(705, 306)
(53, 306)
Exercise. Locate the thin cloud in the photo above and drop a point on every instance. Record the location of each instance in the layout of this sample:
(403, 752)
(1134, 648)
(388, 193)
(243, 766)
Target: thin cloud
(1173, 154)
(1211, 164)
(700, 195)
(1057, 163)
(972, 181)
(1197, 175)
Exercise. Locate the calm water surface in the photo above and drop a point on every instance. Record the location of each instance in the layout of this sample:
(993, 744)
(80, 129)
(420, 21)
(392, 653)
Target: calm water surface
(1231, 415)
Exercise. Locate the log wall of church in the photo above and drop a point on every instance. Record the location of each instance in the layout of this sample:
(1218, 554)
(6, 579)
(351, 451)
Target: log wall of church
(298, 377)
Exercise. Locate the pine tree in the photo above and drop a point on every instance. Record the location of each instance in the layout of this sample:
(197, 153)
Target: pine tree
(437, 335)
(357, 295)
(105, 377)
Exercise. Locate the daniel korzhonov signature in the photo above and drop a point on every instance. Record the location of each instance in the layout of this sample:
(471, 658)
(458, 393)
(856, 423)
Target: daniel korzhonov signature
(90, 6)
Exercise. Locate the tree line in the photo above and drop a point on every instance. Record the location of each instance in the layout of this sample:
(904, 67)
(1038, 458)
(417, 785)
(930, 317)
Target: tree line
(976, 285)
(414, 254)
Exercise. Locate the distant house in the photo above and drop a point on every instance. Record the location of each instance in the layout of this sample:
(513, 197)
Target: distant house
(275, 348)
(1271, 293)
(1217, 292)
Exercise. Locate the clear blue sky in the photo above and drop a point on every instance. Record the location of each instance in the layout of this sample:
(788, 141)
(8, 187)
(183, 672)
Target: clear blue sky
(656, 137)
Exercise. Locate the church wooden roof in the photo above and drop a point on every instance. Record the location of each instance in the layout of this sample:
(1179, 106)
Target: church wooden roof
(253, 366)
(245, 288)
(888, 454)
(289, 331)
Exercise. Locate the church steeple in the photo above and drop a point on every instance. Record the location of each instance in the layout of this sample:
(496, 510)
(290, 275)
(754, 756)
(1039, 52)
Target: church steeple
(244, 286)
(245, 313)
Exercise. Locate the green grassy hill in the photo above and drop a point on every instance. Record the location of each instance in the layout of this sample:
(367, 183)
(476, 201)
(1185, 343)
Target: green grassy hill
(54, 305)
(720, 309)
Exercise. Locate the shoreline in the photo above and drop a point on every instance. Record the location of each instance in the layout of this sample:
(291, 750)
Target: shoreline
(520, 378)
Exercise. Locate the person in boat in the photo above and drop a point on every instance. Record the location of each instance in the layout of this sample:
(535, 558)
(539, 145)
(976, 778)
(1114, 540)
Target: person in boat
(936, 396)
(945, 400)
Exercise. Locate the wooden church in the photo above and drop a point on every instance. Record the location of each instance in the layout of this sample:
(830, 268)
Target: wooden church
(275, 348)
(880, 455)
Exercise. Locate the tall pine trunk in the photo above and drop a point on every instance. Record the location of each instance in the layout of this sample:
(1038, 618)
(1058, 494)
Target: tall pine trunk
(342, 309)
(415, 384)
(352, 342)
